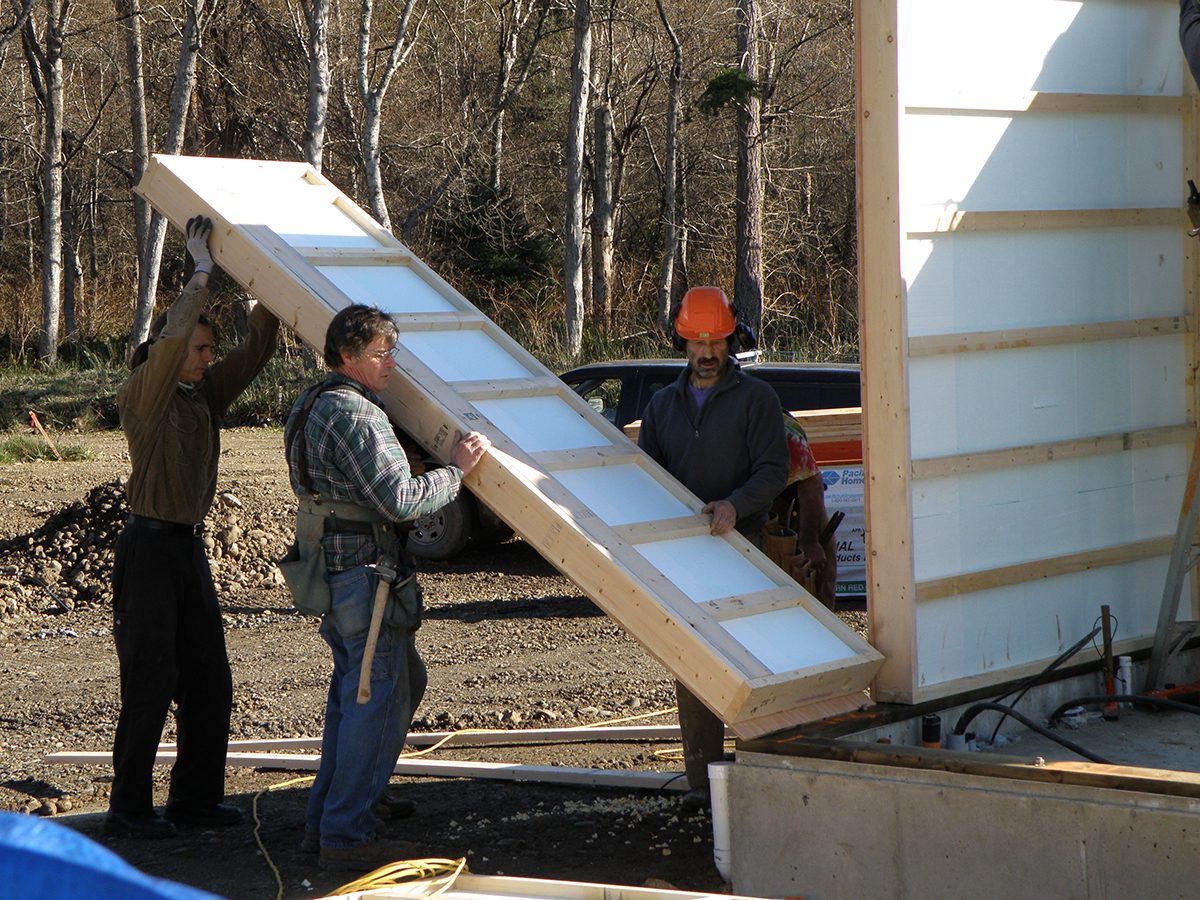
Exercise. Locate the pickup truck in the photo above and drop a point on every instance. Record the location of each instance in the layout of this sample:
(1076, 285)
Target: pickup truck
(619, 391)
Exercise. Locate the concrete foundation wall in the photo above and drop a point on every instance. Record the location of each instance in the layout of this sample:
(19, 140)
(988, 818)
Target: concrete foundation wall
(829, 830)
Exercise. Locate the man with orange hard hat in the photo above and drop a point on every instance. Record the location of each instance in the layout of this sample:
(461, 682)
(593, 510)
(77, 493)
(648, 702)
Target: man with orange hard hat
(720, 432)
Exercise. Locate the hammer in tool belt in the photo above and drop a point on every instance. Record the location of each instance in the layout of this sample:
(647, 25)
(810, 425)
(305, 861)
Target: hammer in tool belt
(386, 571)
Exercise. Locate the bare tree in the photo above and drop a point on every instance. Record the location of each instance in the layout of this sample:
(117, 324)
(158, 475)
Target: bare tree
(371, 95)
(22, 10)
(514, 17)
(150, 228)
(748, 278)
(45, 61)
(602, 215)
(670, 159)
(581, 66)
(316, 17)
(533, 25)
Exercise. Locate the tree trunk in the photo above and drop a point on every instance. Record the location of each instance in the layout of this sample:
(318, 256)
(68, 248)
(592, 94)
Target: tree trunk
(372, 96)
(534, 20)
(150, 228)
(510, 33)
(602, 217)
(71, 267)
(46, 76)
(576, 125)
(129, 14)
(316, 15)
(682, 280)
(747, 285)
(8, 32)
(671, 154)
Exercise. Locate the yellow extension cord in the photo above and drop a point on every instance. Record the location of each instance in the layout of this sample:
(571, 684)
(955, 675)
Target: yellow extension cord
(440, 872)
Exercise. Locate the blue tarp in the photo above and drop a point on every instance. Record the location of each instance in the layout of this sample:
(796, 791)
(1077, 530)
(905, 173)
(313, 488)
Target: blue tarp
(47, 861)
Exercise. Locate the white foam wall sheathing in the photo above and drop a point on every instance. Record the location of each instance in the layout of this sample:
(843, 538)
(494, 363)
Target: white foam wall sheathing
(1028, 293)
(756, 648)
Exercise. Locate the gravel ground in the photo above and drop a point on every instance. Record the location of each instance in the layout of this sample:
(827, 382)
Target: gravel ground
(509, 644)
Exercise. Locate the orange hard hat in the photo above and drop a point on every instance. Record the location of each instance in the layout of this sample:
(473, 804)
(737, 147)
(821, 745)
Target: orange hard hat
(704, 314)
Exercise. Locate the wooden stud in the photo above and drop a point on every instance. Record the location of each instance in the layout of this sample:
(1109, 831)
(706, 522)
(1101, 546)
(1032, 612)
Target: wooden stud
(1036, 454)
(940, 221)
(1035, 570)
(1021, 338)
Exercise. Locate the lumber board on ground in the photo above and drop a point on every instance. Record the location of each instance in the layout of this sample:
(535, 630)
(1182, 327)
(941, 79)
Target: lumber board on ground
(431, 768)
(306, 250)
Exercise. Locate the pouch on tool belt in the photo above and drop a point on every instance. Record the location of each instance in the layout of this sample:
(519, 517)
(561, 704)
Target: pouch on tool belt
(307, 579)
(404, 604)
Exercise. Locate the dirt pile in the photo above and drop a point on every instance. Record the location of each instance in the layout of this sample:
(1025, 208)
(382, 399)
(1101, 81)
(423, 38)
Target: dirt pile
(66, 563)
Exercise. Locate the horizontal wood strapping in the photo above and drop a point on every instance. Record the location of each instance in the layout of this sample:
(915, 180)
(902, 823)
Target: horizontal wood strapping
(1034, 570)
(1035, 454)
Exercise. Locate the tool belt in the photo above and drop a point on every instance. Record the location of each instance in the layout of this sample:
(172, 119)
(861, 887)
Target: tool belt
(307, 575)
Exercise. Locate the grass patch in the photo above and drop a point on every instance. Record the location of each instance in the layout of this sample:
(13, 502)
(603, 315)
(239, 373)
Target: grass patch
(27, 448)
(62, 397)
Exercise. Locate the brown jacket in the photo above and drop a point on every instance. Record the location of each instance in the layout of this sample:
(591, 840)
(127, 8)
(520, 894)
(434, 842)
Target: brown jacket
(173, 430)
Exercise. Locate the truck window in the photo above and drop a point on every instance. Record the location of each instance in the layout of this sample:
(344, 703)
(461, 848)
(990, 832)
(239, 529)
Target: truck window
(602, 396)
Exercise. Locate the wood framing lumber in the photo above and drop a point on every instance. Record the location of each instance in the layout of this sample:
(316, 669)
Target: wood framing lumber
(1036, 454)
(821, 426)
(1021, 338)
(883, 336)
(583, 734)
(942, 220)
(969, 582)
(304, 249)
(985, 680)
(432, 768)
(993, 765)
(1050, 102)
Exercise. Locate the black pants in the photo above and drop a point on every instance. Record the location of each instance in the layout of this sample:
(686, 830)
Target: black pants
(703, 736)
(171, 646)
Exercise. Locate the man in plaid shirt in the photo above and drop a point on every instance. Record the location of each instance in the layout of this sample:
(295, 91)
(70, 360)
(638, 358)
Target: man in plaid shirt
(349, 469)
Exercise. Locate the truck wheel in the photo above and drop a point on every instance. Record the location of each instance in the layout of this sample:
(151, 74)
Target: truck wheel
(443, 534)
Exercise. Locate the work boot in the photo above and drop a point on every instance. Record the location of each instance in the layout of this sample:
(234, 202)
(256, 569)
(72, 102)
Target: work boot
(203, 815)
(696, 800)
(365, 857)
(146, 826)
(311, 842)
(392, 807)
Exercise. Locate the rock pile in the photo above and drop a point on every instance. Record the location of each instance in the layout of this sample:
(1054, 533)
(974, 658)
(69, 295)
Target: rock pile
(66, 563)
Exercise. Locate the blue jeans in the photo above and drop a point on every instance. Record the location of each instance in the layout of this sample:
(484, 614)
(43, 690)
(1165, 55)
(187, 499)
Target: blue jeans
(361, 741)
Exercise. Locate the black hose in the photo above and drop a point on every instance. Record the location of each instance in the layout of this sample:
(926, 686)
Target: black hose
(1136, 699)
(965, 719)
(1022, 689)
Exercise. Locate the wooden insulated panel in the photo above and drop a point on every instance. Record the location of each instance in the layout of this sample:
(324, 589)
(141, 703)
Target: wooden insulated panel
(742, 635)
(1028, 312)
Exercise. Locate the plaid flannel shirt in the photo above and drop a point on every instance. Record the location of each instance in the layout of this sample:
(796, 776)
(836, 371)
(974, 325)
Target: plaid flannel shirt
(354, 456)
